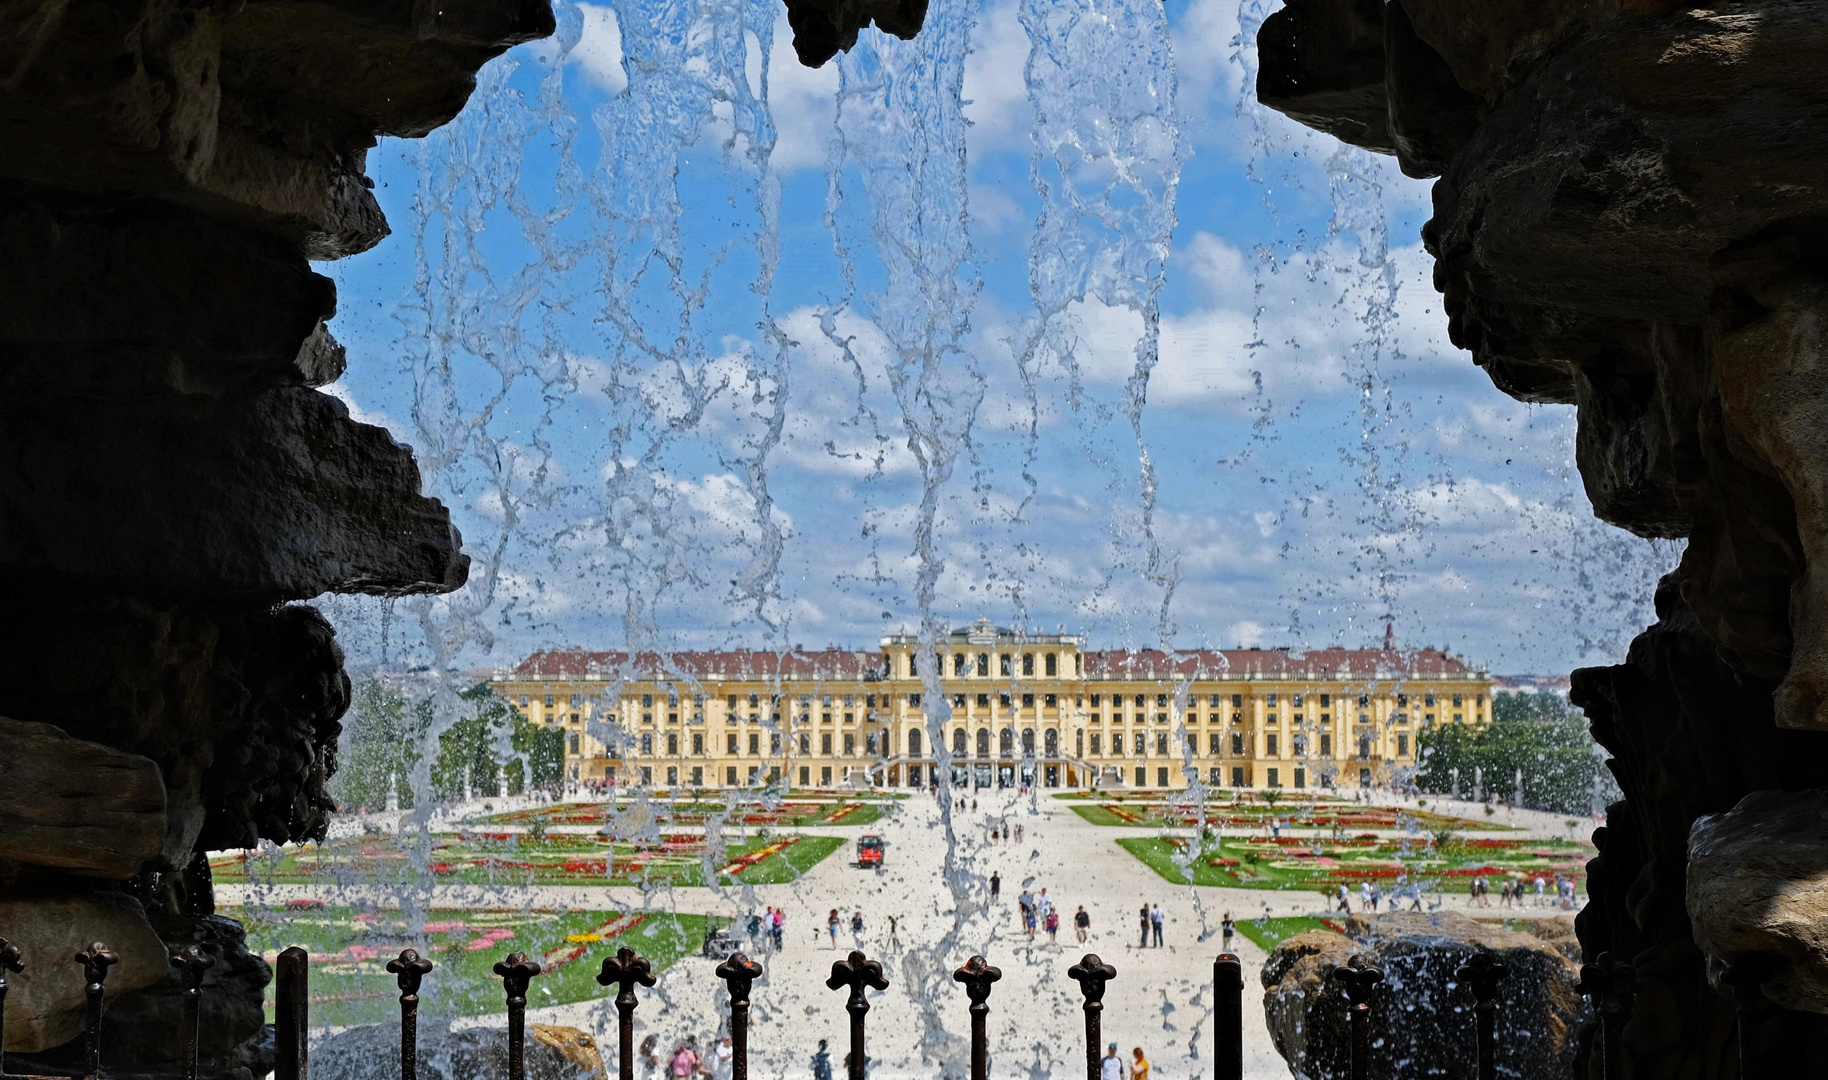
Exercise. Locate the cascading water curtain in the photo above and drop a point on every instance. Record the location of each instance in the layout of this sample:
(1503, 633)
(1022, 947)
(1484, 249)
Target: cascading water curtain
(1036, 317)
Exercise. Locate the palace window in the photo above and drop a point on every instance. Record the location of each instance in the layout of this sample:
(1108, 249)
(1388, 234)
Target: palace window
(1003, 667)
(1095, 744)
(1095, 699)
(983, 665)
(914, 701)
(1326, 700)
(958, 664)
(1028, 701)
(1141, 747)
(755, 743)
(1402, 744)
(1269, 699)
(825, 742)
(698, 742)
(1053, 664)
(647, 700)
(647, 743)
(1161, 743)
(1050, 701)
(1326, 744)
(914, 743)
(1237, 701)
(1269, 744)
(732, 744)
(672, 745)
(1215, 744)
(1237, 743)
(1028, 663)
(850, 743)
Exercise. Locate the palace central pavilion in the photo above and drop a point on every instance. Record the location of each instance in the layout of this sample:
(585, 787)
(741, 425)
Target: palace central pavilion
(1030, 709)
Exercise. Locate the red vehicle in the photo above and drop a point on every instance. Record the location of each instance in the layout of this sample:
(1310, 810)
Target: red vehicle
(869, 851)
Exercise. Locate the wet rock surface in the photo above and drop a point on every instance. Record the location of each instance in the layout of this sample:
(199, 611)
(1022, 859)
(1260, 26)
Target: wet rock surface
(1758, 895)
(1421, 1014)
(824, 28)
(1629, 219)
(553, 1053)
(169, 476)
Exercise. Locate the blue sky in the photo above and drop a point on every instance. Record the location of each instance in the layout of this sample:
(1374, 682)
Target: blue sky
(661, 375)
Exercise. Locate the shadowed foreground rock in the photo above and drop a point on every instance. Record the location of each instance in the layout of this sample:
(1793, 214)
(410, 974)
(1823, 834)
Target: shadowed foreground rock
(553, 1053)
(1630, 219)
(1421, 1016)
(1758, 895)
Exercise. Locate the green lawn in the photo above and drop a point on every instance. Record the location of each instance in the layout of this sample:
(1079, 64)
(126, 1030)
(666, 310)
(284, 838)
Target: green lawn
(1268, 933)
(504, 859)
(350, 949)
(1252, 863)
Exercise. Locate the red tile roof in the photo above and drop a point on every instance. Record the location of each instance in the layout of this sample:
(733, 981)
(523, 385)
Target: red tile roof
(843, 664)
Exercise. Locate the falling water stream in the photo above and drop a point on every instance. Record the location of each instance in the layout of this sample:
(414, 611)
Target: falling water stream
(705, 351)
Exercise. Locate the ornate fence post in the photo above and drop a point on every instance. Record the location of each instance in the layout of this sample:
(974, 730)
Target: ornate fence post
(1360, 979)
(191, 962)
(977, 977)
(95, 961)
(1482, 973)
(1745, 985)
(1611, 984)
(516, 972)
(291, 1014)
(859, 974)
(740, 973)
(626, 970)
(408, 968)
(1091, 974)
(11, 959)
(1228, 1018)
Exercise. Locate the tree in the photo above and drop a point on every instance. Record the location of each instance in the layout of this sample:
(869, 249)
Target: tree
(1540, 734)
(489, 743)
(379, 748)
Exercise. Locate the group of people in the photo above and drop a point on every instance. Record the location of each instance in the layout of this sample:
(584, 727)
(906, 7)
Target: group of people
(1113, 1067)
(686, 1061)
(1040, 912)
(765, 931)
(1151, 921)
(1512, 893)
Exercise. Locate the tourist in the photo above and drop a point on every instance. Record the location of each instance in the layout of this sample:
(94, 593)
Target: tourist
(651, 1066)
(780, 937)
(1111, 1068)
(1365, 900)
(996, 886)
(1139, 1066)
(1155, 923)
(1539, 900)
(755, 930)
(723, 1060)
(1053, 925)
(1227, 929)
(1019, 831)
(821, 1063)
(857, 928)
(894, 937)
(1342, 898)
(685, 1062)
(1081, 923)
(831, 927)
(1044, 905)
(1145, 926)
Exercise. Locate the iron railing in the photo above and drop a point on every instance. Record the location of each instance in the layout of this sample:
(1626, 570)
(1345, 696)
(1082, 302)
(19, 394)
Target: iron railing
(1608, 982)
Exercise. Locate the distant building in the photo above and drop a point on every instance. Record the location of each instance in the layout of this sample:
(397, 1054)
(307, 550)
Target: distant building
(1014, 708)
(1530, 684)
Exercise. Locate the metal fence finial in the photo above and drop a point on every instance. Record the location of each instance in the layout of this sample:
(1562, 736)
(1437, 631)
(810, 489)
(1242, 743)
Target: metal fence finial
(860, 974)
(191, 962)
(517, 973)
(1360, 980)
(408, 969)
(1092, 974)
(740, 973)
(626, 970)
(977, 975)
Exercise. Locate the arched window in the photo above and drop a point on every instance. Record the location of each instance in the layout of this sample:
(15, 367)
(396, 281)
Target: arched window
(1003, 666)
(1006, 741)
(914, 743)
(983, 742)
(958, 663)
(1028, 663)
(983, 665)
(1051, 742)
(1028, 742)
(1053, 664)
(959, 748)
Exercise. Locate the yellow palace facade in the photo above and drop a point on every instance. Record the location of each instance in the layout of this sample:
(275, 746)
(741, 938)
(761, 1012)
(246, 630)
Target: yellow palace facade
(1010, 709)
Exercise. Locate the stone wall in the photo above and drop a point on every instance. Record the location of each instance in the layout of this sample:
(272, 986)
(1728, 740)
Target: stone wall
(1629, 219)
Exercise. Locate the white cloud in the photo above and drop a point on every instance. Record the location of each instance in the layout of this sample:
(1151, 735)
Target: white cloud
(599, 51)
(996, 95)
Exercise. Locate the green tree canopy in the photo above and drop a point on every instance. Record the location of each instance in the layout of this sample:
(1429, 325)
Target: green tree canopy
(1541, 735)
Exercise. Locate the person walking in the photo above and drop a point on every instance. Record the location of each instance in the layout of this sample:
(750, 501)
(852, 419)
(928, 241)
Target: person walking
(1144, 918)
(723, 1060)
(755, 930)
(1053, 925)
(1342, 895)
(996, 886)
(1227, 928)
(831, 927)
(780, 935)
(1111, 1067)
(894, 937)
(857, 928)
(1044, 905)
(821, 1063)
(1082, 923)
(1139, 1065)
(1155, 923)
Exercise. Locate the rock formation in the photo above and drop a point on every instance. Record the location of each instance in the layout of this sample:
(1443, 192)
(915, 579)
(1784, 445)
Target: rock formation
(1628, 219)
(553, 1053)
(171, 478)
(1421, 1015)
